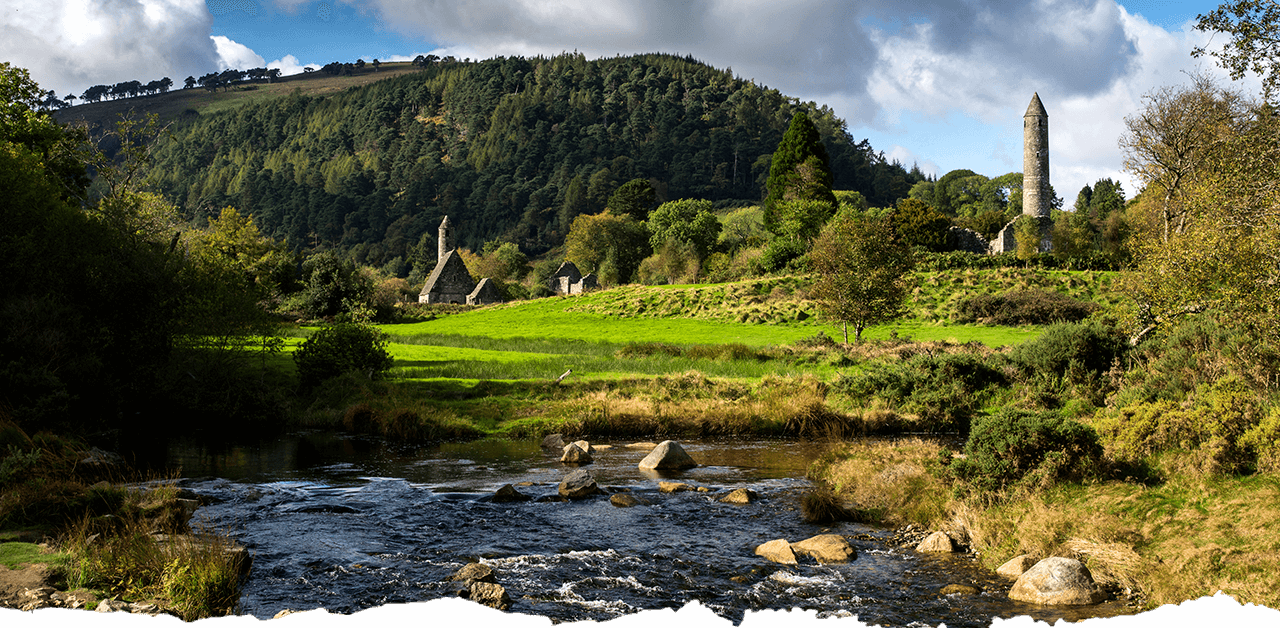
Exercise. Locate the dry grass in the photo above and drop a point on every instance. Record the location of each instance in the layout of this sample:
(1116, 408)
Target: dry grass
(888, 482)
(692, 404)
(1190, 537)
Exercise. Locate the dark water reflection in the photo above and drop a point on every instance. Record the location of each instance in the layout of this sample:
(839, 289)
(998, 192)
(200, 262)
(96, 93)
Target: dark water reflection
(348, 523)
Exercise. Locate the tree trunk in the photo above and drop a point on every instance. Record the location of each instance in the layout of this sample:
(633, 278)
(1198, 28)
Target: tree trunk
(845, 325)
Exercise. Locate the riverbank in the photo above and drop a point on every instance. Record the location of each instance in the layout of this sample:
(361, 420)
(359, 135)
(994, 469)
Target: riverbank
(1185, 536)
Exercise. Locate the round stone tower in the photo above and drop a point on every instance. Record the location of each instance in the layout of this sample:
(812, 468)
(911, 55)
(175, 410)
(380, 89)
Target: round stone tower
(1035, 160)
(444, 242)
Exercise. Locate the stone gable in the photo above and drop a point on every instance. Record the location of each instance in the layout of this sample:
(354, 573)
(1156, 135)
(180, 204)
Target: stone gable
(485, 293)
(450, 282)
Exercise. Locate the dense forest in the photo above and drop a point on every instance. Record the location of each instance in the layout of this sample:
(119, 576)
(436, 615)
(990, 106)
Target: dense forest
(512, 148)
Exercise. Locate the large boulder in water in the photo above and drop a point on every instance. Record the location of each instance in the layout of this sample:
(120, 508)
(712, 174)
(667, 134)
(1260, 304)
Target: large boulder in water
(1057, 581)
(825, 548)
(553, 441)
(574, 454)
(578, 485)
(777, 551)
(668, 455)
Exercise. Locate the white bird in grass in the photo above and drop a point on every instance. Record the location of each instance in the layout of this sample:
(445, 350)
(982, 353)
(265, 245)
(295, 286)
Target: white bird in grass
(566, 374)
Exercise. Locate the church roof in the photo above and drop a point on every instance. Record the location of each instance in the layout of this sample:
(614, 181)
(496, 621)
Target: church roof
(452, 273)
(1036, 108)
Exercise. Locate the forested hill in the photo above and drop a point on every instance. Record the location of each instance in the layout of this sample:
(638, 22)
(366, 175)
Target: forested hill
(509, 148)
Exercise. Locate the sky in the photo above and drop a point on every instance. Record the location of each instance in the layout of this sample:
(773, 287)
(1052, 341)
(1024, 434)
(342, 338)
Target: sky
(941, 84)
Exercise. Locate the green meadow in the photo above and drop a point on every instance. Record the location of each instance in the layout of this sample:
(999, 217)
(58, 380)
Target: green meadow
(746, 357)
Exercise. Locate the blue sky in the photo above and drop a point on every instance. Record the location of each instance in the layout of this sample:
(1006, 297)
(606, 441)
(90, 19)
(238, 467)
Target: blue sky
(938, 83)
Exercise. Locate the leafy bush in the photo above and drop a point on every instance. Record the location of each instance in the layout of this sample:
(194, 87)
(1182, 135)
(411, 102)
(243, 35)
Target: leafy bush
(1091, 346)
(1264, 440)
(340, 348)
(1223, 429)
(1024, 307)
(820, 339)
(1013, 447)
(782, 254)
(1199, 351)
(945, 390)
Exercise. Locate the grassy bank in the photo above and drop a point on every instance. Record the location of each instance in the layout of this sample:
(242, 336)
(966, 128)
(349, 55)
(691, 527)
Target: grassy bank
(118, 539)
(1185, 536)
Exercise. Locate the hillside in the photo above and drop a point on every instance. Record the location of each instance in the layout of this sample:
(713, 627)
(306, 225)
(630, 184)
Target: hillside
(173, 105)
(509, 148)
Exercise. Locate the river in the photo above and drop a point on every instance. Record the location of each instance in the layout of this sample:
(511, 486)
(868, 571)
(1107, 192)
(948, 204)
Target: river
(351, 522)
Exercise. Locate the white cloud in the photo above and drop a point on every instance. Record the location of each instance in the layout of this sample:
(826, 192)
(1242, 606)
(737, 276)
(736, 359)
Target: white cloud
(69, 45)
(290, 65)
(232, 54)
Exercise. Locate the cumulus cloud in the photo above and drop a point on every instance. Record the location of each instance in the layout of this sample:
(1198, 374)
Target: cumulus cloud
(232, 54)
(69, 45)
(975, 56)
(290, 65)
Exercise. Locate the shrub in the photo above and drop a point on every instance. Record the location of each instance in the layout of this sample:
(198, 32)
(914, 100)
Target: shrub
(945, 390)
(1034, 449)
(818, 340)
(1264, 440)
(1023, 307)
(1199, 351)
(783, 254)
(1223, 429)
(1091, 346)
(340, 348)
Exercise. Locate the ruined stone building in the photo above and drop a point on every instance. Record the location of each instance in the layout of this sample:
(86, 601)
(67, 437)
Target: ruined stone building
(568, 280)
(451, 282)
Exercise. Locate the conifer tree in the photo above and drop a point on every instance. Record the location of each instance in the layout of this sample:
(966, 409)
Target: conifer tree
(800, 170)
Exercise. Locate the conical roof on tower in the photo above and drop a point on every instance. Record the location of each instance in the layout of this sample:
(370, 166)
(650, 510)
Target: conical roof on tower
(1036, 108)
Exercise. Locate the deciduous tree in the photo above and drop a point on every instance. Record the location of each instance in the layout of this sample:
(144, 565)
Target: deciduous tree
(863, 272)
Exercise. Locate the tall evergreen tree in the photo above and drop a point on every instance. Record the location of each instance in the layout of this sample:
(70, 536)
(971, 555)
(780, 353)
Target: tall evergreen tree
(800, 169)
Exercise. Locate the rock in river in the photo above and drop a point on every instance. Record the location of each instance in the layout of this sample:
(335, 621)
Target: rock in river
(474, 572)
(508, 493)
(1016, 566)
(575, 454)
(490, 594)
(578, 485)
(936, 542)
(668, 455)
(1057, 581)
(777, 551)
(740, 496)
(553, 441)
(626, 500)
(825, 548)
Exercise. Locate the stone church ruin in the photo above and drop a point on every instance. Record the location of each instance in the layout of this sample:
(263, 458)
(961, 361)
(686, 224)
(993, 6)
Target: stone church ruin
(451, 282)
(568, 280)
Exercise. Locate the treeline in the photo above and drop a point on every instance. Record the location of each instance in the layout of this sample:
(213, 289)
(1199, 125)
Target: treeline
(124, 89)
(231, 77)
(513, 149)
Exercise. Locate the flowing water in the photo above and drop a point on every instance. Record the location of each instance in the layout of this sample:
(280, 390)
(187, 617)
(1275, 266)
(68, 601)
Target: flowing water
(348, 523)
